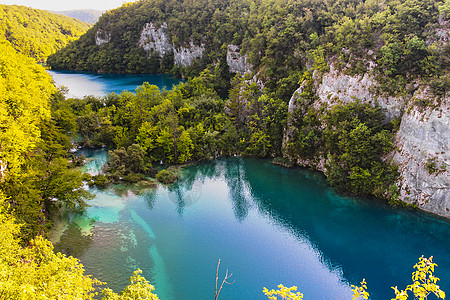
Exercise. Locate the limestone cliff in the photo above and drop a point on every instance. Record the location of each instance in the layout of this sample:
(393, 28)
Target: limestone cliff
(422, 142)
(423, 156)
(155, 39)
(102, 37)
(185, 56)
(336, 86)
(237, 62)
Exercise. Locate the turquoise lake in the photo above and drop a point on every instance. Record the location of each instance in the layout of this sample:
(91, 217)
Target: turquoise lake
(268, 225)
(81, 84)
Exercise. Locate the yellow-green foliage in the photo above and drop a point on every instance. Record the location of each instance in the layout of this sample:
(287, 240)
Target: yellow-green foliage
(36, 272)
(360, 292)
(283, 292)
(139, 288)
(424, 282)
(25, 89)
(37, 33)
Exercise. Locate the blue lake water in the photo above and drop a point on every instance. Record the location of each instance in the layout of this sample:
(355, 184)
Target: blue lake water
(267, 224)
(81, 84)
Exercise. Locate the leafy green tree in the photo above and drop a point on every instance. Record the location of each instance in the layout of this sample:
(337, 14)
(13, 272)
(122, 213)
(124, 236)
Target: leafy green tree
(36, 272)
(184, 147)
(25, 89)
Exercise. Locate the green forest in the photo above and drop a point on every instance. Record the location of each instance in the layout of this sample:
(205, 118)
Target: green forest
(37, 33)
(281, 38)
(36, 167)
(212, 114)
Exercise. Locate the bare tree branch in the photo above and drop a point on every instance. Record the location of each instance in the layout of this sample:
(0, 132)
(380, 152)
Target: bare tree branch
(225, 280)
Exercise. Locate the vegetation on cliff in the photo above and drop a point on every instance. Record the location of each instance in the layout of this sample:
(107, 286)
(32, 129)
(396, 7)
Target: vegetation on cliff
(37, 33)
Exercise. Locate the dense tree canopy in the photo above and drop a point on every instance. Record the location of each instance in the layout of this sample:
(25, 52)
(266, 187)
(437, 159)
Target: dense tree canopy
(37, 178)
(25, 90)
(37, 33)
(281, 38)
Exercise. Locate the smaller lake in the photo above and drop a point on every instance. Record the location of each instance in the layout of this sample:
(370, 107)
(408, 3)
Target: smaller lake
(82, 84)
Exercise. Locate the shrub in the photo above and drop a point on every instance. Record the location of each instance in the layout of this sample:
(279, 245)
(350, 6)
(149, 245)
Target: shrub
(166, 176)
(133, 178)
(101, 181)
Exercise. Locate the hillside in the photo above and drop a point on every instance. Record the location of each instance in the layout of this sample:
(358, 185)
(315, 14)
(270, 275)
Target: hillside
(37, 33)
(366, 76)
(89, 16)
(278, 39)
(35, 170)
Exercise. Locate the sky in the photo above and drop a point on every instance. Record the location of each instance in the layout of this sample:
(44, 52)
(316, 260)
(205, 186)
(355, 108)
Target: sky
(58, 5)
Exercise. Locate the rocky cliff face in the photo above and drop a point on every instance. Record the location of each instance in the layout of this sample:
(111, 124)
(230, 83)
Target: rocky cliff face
(336, 86)
(423, 156)
(155, 39)
(184, 56)
(237, 62)
(422, 143)
(102, 37)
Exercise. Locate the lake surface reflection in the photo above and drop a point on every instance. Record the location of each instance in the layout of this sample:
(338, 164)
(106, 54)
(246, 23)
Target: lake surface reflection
(267, 224)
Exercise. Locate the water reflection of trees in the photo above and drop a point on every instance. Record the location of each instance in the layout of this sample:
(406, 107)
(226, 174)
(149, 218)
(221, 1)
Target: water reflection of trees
(235, 176)
(186, 191)
(73, 242)
(150, 198)
(357, 235)
(177, 193)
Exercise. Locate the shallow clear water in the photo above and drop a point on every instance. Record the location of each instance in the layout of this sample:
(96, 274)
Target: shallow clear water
(267, 224)
(81, 84)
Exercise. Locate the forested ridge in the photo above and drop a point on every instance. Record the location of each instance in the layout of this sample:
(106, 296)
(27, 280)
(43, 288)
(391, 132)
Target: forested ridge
(37, 33)
(281, 38)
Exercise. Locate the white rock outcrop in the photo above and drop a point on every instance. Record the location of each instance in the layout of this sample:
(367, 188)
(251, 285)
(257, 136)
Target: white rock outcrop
(102, 37)
(155, 39)
(336, 86)
(423, 156)
(184, 56)
(237, 63)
